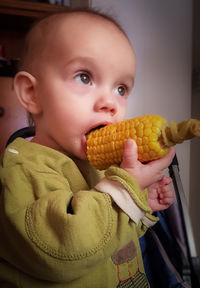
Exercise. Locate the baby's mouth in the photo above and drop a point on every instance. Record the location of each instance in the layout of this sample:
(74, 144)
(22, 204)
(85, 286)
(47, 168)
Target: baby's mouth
(84, 139)
(95, 128)
(90, 131)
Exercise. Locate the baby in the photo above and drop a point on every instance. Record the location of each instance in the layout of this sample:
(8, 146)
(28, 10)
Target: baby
(63, 223)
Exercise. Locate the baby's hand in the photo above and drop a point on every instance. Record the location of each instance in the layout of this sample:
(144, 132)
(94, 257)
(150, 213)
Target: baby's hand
(145, 174)
(160, 194)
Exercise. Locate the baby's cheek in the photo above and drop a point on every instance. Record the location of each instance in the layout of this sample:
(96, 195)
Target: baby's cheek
(121, 113)
(78, 88)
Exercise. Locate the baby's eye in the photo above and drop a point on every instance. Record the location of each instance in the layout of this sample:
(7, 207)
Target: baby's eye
(121, 90)
(83, 78)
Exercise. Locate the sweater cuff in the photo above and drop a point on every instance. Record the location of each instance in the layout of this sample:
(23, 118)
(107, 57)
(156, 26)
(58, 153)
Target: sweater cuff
(131, 185)
(122, 198)
(149, 220)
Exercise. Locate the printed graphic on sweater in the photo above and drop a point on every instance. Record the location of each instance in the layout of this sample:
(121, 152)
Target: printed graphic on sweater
(128, 273)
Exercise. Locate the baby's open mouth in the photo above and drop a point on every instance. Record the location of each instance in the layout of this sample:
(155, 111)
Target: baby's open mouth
(92, 129)
(95, 128)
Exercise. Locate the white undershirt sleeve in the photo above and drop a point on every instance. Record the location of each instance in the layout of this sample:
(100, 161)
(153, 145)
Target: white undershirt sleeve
(123, 199)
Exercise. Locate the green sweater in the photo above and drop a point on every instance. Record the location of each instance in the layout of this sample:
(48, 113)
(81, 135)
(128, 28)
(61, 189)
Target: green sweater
(57, 228)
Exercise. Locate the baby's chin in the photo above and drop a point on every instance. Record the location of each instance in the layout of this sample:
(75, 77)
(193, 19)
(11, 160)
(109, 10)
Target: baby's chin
(83, 155)
(80, 156)
(80, 153)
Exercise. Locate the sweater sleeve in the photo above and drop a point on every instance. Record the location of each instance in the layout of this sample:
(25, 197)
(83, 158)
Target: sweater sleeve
(57, 231)
(54, 231)
(125, 191)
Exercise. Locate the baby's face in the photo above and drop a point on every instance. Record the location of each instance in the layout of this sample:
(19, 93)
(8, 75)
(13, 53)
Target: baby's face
(84, 82)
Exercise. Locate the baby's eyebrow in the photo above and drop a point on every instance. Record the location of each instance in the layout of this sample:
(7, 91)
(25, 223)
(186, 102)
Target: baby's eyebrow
(80, 59)
(80, 63)
(129, 79)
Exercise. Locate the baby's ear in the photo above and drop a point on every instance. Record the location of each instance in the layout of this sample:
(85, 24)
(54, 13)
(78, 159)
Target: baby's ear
(25, 88)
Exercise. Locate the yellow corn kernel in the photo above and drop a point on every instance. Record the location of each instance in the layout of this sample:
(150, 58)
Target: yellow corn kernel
(151, 133)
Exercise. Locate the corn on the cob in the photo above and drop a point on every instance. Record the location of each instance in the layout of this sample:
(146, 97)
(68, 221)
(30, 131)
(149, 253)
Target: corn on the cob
(151, 133)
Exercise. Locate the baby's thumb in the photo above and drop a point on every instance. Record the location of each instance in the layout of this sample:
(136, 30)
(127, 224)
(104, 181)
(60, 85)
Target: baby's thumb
(130, 155)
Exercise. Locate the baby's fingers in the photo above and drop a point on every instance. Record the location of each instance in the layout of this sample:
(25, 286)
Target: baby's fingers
(167, 195)
(165, 180)
(167, 201)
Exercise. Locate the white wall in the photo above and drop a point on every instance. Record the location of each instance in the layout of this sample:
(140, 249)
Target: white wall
(161, 34)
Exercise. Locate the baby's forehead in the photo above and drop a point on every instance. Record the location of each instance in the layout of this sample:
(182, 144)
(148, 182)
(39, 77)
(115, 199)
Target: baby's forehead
(50, 31)
(49, 26)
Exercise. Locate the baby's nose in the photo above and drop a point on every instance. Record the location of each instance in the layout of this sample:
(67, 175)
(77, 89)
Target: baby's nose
(106, 104)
